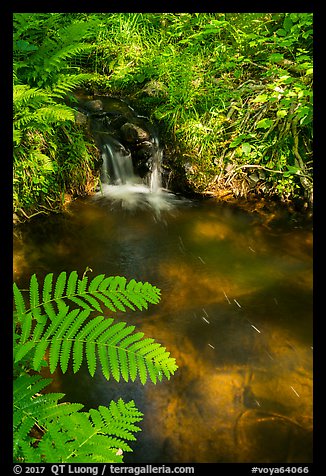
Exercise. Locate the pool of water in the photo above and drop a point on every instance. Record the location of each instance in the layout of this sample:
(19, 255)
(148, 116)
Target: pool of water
(236, 313)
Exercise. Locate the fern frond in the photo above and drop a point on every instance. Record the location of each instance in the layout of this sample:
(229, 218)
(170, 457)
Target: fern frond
(69, 435)
(31, 408)
(66, 444)
(55, 113)
(50, 330)
(42, 160)
(26, 327)
(43, 116)
(74, 436)
(60, 285)
(26, 121)
(113, 291)
(78, 30)
(80, 340)
(32, 383)
(72, 282)
(19, 300)
(20, 351)
(34, 297)
(120, 417)
(25, 95)
(57, 60)
(67, 83)
(47, 287)
(92, 437)
(120, 351)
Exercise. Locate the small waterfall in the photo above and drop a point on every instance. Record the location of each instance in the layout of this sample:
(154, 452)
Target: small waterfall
(155, 177)
(155, 180)
(117, 165)
(124, 187)
(131, 171)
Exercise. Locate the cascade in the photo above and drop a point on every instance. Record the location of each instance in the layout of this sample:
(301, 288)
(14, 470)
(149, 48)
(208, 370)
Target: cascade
(131, 155)
(117, 165)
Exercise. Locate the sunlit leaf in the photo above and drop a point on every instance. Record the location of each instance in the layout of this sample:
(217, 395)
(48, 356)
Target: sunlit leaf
(264, 123)
(287, 24)
(261, 98)
(281, 113)
(246, 148)
(281, 32)
(24, 46)
(276, 57)
(292, 170)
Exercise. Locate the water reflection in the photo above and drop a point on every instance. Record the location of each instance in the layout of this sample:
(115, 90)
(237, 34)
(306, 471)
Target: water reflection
(236, 313)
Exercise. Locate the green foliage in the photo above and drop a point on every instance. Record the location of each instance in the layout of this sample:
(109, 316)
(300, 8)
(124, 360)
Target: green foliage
(228, 89)
(49, 332)
(68, 434)
(44, 78)
(231, 89)
(38, 118)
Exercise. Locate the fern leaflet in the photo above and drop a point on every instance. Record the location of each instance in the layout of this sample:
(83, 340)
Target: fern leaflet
(112, 291)
(66, 336)
(65, 434)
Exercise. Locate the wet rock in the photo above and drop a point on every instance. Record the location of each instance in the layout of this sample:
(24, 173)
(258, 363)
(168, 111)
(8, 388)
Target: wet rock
(133, 133)
(15, 219)
(261, 174)
(188, 168)
(112, 122)
(264, 436)
(249, 398)
(95, 105)
(81, 119)
(155, 89)
(254, 177)
(229, 167)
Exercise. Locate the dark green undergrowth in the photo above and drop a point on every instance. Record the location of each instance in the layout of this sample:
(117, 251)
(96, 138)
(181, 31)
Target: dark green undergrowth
(231, 94)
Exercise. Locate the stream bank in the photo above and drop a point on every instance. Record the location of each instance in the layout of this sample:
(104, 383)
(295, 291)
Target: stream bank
(248, 191)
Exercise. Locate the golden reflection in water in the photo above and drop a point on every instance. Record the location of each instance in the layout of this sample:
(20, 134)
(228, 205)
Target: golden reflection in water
(243, 390)
(19, 264)
(190, 287)
(243, 413)
(256, 411)
(212, 230)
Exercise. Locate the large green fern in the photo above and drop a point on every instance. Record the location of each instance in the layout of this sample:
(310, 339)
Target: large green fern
(69, 335)
(34, 107)
(55, 323)
(64, 434)
(49, 56)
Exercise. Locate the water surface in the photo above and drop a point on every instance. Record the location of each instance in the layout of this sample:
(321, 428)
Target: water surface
(236, 313)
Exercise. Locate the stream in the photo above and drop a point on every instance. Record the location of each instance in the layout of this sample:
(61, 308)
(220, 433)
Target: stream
(235, 312)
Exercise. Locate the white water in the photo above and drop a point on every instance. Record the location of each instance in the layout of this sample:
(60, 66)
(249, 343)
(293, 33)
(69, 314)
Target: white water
(117, 163)
(122, 186)
(134, 195)
(155, 183)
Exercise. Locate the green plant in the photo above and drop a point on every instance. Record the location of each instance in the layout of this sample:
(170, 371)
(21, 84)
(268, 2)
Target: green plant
(37, 117)
(49, 50)
(231, 90)
(49, 332)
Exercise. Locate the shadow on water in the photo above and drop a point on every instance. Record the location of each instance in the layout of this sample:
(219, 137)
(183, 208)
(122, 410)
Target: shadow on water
(236, 313)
